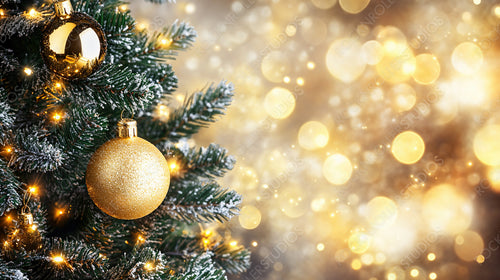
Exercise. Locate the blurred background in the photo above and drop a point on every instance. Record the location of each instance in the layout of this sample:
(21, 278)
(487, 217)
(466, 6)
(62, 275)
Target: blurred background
(366, 133)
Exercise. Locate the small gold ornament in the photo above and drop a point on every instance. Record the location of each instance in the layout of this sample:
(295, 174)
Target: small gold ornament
(127, 177)
(73, 44)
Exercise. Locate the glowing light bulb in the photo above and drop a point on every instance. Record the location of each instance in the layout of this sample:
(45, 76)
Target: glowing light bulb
(300, 81)
(33, 189)
(140, 239)
(7, 149)
(255, 244)
(2, 13)
(28, 71)
(233, 243)
(311, 65)
(32, 13)
(432, 275)
(320, 247)
(414, 272)
(431, 257)
(123, 8)
(149, 266)
(57, 116)
(58, 259)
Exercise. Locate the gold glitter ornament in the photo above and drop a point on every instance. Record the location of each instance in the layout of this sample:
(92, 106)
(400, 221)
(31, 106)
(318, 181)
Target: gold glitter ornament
(73, 44)
(127, 177)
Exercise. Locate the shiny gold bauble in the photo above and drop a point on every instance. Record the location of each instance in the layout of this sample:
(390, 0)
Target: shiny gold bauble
(73, 44)
(127, 177)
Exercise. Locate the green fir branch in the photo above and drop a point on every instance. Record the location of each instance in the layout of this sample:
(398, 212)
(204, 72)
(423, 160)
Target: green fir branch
(232, 259)
(36, 153)
(199, 110)
(115, 87)
(78, 261)
(9, 188)
(201, 202)
(144, 264)
(201, 267)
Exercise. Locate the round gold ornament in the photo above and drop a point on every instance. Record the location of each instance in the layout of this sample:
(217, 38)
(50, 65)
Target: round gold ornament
(127, 177)
(73, 44)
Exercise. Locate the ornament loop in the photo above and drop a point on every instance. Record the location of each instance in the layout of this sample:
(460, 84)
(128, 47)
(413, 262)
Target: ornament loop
(127, 128)
(63, 8)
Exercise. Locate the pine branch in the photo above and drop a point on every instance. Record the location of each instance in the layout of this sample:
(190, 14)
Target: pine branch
(77, 261)
(9, 187)
(201, 268)
(36, 153)
(81, 130)
(198, 202)
(6, 117)
(200, 110)
(232, 259)
(7, 61)
(7, 273)
(116, 87)
(141, 265)
(205, 162)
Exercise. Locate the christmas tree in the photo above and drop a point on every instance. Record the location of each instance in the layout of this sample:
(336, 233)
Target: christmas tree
(78, 200)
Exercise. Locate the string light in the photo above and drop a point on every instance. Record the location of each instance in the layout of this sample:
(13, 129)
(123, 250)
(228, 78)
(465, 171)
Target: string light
(28, 71)
(233, 243)
(2, 13)
(33, 189)
(300, 81)
(149, 266)
(431, 257)
(8, 218)
(60, 212)
(7, 150)
(56, 117)
(162, 112)
(123, 8)
(33, 227)
(166, 42)
(58, 259)
(32, 13)
(140, 239)
(255, 244)
(432, 275)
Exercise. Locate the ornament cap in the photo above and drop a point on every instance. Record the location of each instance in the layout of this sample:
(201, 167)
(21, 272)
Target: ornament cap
(27, 218)
(63, 8)
(127, 128)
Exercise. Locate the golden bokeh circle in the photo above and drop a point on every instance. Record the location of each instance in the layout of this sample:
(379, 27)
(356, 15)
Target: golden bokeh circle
(408, 147)
(487, 145)
(279, 103)
(313, 135)
(427, 69)
(337, 169)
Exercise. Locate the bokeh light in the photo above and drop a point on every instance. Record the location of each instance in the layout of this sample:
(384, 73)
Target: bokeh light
(381, 211)
(279, 103)
(337, 169)
(467, 58)
(427, 69)
(313, 135)
(408, 147)
(353, 6)
(343, 59)
(403, 97)
(447, 210)
(487, 145)
(468, 245)
(359, 242)
(249, 217)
